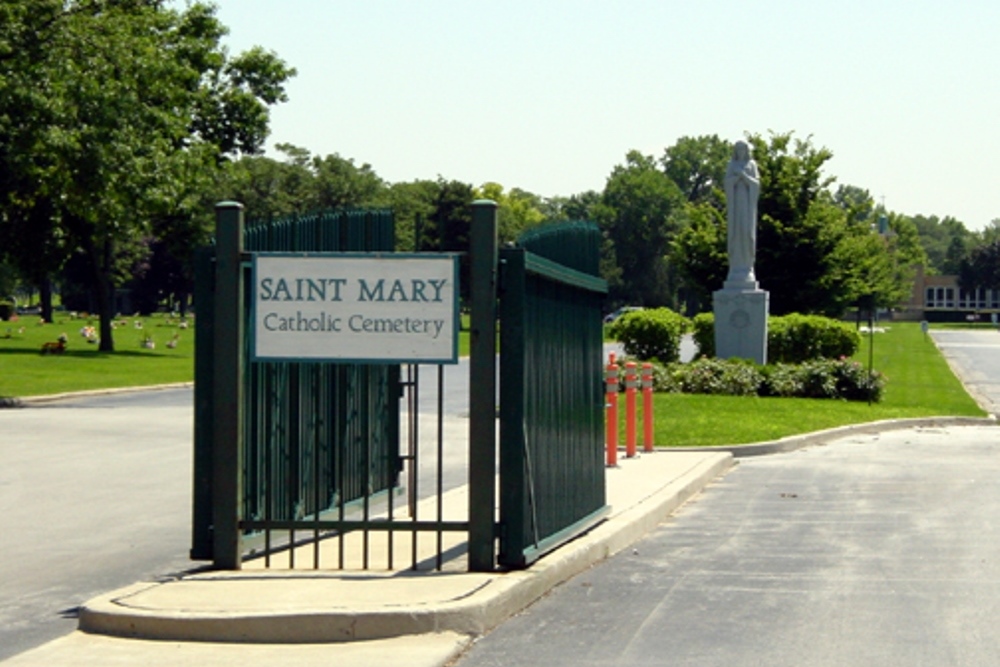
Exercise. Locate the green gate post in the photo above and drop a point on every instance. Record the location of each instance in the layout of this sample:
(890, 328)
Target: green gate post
(482, 385)
(227, 466)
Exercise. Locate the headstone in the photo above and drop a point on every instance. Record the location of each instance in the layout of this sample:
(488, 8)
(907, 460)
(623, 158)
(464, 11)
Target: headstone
(741, 307)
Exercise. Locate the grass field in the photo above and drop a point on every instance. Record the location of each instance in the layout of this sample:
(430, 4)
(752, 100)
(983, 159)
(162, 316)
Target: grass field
(920, 384)
(24, 371)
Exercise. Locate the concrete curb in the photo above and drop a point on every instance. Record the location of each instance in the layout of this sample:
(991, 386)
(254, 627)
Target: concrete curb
(489, 600)
(48, 398)
(794, 442)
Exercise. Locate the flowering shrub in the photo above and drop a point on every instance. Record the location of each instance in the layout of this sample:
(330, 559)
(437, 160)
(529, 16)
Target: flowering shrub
(843, 379)
(718, 376)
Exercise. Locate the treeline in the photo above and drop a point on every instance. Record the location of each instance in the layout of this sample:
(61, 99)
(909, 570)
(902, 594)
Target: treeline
(122, 123)
(821, 245)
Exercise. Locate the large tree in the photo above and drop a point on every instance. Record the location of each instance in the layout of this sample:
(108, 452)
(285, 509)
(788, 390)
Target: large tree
(982, 268)
(698, 166)
(938, 238)
(108, 109)
(817, 251)
(639, 212)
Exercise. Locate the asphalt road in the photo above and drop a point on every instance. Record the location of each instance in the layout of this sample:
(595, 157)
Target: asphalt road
(870, 550)
(974, 355)
(96, 493)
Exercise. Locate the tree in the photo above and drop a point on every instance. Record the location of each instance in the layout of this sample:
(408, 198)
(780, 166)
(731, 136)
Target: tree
(936, 236)
(982, 268)
(817, 251)
(639, 211)
(795, 244)
(956, 253)
(990, 233)
(697, 165)
(339, 183)
(412, 206)
(450, 223)
(517, 210)
(699, 252)
(109, 107)
(857, 203)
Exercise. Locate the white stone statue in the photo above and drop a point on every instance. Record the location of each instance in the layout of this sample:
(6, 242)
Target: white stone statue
(742, 190)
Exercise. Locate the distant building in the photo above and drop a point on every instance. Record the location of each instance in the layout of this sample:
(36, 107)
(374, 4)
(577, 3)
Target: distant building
(940, 299)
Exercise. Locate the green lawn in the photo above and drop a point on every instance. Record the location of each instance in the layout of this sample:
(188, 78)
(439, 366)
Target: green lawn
(24, 371)
(920, 384)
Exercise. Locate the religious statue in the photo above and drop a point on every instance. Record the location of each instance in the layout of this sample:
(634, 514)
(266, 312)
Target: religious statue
(742, 190)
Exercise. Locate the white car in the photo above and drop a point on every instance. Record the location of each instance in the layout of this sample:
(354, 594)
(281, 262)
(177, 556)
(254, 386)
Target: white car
(614, 315)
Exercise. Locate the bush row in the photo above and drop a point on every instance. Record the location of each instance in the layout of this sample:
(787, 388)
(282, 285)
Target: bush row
(820, 378)
(792, 339)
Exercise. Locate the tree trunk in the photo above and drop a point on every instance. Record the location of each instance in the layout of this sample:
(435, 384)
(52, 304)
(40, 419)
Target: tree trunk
(45, 297)
(101, 263)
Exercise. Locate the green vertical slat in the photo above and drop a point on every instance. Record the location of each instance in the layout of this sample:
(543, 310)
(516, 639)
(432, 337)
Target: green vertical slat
(204, 333)
(482, 394)
(227, 467)
(515, 515)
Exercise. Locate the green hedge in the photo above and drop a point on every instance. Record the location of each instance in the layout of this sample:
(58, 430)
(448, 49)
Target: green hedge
(703, 328)
(798, 338)
(649, 334)
(791, 338)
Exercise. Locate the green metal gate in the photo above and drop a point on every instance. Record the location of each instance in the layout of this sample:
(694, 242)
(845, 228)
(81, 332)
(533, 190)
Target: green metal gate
(285, 448)
(315, 436)
(551, 399)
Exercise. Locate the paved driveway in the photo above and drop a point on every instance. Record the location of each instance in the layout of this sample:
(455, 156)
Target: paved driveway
(871, 550)
(974, 355)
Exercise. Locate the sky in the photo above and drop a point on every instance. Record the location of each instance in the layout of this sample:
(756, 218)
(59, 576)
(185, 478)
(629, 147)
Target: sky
(549, 95)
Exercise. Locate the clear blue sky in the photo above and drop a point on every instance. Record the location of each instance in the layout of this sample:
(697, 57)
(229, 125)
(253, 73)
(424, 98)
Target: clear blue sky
(549, 95)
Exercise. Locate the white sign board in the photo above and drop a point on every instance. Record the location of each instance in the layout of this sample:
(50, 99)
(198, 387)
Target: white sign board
(363, 308)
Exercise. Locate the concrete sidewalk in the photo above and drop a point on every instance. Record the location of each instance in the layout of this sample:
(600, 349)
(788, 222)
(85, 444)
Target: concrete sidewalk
(352, 617)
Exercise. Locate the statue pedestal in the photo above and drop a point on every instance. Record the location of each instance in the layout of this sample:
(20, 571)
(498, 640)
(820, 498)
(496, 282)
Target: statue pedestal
(741, 321)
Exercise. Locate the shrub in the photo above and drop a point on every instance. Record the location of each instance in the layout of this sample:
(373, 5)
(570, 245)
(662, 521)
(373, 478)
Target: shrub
(791, 338)
(703, 326)
(718, 376)
(799, 338)
(781, 380)
(650, 334)
(823, 378)
(665, 379)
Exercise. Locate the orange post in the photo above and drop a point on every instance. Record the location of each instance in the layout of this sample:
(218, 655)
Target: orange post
(611, 422)
(630, 417)
(647, 407)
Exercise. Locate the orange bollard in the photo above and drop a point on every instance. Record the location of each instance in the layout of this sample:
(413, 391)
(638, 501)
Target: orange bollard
(630, 418)
(611, 422)
(647, 407)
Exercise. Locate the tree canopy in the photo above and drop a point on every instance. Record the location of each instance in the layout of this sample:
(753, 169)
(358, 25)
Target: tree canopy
(109, 111)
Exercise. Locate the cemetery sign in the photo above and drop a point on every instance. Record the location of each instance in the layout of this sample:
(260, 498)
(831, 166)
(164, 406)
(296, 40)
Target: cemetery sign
(356, 308)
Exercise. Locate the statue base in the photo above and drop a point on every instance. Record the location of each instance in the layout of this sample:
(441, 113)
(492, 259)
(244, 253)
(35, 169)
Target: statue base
(741, 310)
